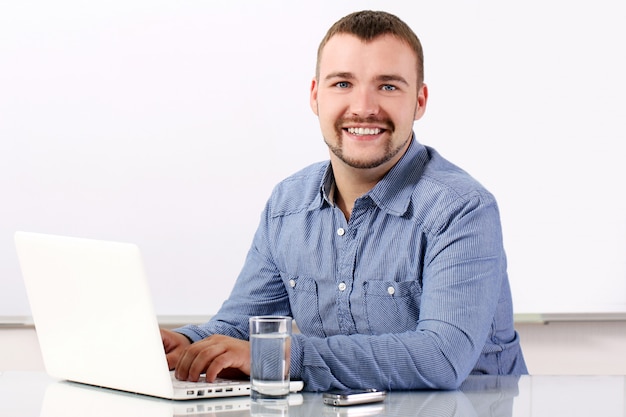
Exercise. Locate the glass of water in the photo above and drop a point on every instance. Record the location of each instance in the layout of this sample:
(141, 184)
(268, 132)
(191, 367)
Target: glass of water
(270, 349)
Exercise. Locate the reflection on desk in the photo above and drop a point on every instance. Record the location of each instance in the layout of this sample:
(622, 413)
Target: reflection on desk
(30, 394)
(478, 396)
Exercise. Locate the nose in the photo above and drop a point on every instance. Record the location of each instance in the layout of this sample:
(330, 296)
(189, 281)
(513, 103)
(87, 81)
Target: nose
(364, 103)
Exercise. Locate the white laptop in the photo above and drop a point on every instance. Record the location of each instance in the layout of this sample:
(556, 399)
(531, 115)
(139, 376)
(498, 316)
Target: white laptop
(95, 321)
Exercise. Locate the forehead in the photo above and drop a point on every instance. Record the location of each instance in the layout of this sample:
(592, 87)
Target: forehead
(384, 55)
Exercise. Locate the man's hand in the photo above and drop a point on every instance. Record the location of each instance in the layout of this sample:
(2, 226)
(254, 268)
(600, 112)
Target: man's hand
(174, 345)
(216, 355)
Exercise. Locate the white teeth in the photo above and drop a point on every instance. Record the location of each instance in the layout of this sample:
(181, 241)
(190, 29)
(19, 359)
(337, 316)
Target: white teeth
(363, 131)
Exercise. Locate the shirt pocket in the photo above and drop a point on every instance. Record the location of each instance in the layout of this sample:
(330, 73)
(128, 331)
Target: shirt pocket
(391, 307)
(304, 301)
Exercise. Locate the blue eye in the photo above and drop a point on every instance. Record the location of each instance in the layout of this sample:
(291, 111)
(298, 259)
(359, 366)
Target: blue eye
(388, 87)
(343, 84)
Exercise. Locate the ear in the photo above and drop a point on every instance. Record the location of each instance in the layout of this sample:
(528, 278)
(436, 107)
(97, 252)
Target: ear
(422, 99)
(313, 97)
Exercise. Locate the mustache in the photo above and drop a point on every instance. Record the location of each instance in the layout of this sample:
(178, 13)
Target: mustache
(385, 122)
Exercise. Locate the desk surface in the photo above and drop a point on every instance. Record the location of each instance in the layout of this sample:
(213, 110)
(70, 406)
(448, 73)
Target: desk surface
(30, 394)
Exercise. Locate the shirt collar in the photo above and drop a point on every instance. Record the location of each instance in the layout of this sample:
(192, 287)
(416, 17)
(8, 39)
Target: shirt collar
(393, 192)
(326, 188)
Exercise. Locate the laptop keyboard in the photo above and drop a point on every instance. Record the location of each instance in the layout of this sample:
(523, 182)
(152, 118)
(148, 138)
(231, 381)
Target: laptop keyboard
(202, 382)
(219, 387)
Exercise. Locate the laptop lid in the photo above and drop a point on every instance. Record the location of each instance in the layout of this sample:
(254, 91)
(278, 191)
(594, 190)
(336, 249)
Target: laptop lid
(93, 313)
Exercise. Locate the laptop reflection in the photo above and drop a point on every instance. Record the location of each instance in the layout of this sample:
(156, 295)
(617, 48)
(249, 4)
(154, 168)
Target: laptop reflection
(70, 399)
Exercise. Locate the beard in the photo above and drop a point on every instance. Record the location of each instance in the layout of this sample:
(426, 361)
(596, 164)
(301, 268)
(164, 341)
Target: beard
(389, 151)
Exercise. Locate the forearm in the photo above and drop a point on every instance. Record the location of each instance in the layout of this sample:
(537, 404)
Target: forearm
(196, 332)
(420, 359)
(232, 318)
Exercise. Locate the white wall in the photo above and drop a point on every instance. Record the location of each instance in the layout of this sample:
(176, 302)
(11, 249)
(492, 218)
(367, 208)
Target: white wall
(117, 118)
(575, 348)
(19, 349)
(166, 123)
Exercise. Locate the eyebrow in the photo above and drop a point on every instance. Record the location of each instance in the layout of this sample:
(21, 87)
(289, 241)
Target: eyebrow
(392, 77)
(346, 75)
(382, 78)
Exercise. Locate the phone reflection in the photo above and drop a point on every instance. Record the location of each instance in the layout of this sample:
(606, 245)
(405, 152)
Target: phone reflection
(480, 396)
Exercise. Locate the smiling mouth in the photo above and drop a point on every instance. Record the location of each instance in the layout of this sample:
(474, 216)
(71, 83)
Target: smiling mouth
(363, 131)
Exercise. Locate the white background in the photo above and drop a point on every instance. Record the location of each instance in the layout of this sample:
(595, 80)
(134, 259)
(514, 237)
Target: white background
(167, 123)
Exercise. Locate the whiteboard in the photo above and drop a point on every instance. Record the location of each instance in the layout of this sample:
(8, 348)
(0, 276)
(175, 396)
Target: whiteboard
(167, 123)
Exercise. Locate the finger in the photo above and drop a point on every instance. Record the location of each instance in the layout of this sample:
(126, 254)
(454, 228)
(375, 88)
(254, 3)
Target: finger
(172, 359)
(173, 344)
(182, 365)
(196, 359)
(169, 348)
(166, 339)
(236, 357)
(224, 361)
(203, 359)
(232, 373)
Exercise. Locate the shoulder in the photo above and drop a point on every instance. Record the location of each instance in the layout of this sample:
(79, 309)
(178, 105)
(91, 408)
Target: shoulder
(448, 178)
(445, 191)
(298, 191)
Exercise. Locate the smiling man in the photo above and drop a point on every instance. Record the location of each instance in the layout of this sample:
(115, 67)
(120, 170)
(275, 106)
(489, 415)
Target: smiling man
(388, 257)
(366, 93)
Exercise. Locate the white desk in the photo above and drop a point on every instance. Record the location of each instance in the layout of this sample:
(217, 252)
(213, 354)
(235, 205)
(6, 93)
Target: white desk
(29, 394)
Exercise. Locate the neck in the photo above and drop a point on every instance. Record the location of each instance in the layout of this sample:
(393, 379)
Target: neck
(352, 183)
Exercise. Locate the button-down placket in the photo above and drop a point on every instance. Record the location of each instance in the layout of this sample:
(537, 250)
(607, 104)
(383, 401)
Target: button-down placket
(350, 241)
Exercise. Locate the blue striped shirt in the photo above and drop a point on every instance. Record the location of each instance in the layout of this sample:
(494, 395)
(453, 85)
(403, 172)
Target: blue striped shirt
(411, 293)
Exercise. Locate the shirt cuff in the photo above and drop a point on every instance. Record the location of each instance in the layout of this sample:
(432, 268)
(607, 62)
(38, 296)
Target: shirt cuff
(192, 332)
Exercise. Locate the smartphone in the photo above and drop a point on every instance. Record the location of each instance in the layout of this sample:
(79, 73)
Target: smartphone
(341, 398)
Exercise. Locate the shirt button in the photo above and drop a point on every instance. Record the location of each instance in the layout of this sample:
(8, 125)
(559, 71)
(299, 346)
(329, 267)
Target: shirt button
(391, 290)
(292, 283)
(341, 231)
(342, 286)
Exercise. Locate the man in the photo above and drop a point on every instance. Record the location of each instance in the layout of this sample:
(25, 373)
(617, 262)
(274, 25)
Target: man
(388, 257)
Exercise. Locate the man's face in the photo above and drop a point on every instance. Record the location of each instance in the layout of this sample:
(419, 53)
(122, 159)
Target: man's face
(366, 98)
